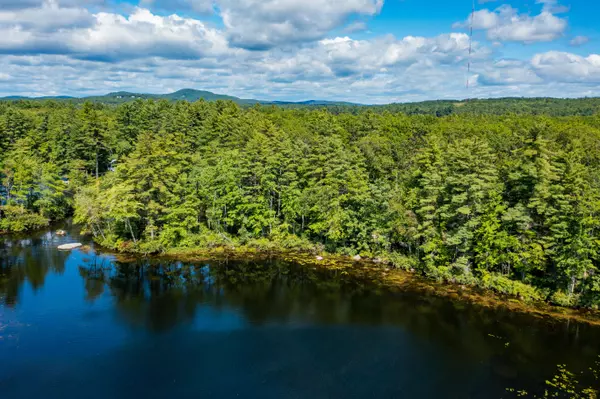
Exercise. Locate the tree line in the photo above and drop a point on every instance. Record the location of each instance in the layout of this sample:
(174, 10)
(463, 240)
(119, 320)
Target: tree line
(509, 202)
(493, 106)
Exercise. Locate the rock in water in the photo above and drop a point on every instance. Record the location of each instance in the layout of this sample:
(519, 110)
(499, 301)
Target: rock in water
(61, 233)
(68, 247)
(356, 257)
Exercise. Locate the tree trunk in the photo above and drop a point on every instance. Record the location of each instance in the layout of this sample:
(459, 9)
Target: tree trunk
(100, 230)
(131, 230)
(279, 203)
(572, 285)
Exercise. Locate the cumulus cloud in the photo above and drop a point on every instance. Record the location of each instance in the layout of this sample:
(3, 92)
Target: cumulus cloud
(107, 36)
(51, 74)
(566, 67)
(508, 72)
(24, 4)
(250, 24)
(48, 17)
(143, 34)
(263, 24)
(505, 24)
(280, 49)
(379, 70)
(343, 57)
(282, 75)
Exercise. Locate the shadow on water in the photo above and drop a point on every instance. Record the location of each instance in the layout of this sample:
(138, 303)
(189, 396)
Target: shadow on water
(27, 258)
(255, 329)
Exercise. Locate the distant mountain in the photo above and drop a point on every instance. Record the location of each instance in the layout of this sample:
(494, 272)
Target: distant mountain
(15, 98)
(195, 95)
(181, 95)
(492, 106)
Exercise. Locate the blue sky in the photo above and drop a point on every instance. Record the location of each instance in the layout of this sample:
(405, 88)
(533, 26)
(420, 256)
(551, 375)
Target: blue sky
(368, 51)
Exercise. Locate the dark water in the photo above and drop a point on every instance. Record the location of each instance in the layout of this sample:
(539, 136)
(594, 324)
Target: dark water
(82, 325)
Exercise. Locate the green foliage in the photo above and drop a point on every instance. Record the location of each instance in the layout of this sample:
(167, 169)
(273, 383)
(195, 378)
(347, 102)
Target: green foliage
(504, 285)
(19, 219)
(511, 203)
(438, 108)
(561, 298)
(402, 262)
(566, 384)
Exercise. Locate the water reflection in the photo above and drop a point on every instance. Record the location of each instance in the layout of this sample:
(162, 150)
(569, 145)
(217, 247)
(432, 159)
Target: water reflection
(163, 296)
(27, 259)
(482, 348)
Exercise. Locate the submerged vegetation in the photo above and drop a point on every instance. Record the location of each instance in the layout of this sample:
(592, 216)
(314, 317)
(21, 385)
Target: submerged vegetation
(509, 203)
(566, 384)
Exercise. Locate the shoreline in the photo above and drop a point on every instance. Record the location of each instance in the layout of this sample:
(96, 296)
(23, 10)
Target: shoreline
(381, 275)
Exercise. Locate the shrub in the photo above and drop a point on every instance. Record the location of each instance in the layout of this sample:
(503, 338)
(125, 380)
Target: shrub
(18, 219)
(561, 298)
(504, 285)
(402, 262)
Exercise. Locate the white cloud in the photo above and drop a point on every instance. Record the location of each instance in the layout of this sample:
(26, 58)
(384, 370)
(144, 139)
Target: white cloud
(60, 48)
(23, 4)
(343, 57)
(262, 24)
(566, 67)
(508, 72)
(50, 16)
(505, 24)
(279, 75)
(252, 24)
(143, 34)
(482, 19)
(109, 37)
(379, 70)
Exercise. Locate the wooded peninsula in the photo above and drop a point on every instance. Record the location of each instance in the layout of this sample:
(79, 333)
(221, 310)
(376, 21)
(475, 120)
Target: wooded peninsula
(502, 194)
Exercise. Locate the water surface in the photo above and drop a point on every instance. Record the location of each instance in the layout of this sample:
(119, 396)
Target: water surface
(81, 324)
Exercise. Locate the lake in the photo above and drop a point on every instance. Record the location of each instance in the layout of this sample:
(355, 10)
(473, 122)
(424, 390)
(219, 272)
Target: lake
(82, 324)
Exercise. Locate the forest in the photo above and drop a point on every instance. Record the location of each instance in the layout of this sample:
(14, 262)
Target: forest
(509, 201)
(490, 106)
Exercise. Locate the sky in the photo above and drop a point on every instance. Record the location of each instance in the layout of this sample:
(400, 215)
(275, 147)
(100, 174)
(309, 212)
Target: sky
(366, 51)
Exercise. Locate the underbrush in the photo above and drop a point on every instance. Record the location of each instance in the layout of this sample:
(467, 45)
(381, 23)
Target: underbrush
(16, 219)
(504, 285)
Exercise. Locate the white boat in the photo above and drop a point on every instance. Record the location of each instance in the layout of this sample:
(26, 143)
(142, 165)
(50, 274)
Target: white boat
(68, 247)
